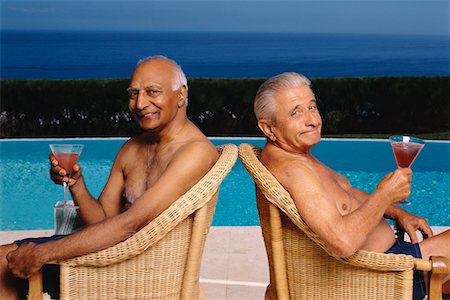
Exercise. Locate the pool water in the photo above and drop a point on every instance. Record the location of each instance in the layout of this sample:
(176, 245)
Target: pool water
(27, 194)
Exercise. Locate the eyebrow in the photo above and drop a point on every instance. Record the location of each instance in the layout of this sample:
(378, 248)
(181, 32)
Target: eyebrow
(150, 85)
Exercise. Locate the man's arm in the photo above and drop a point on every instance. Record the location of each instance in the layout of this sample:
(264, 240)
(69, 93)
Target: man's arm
(342, 234)
(410, 223)
(109, 202)
(188, 166)
(90, 210)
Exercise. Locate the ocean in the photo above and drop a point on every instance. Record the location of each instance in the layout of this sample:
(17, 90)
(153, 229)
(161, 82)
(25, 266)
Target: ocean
(108, 54)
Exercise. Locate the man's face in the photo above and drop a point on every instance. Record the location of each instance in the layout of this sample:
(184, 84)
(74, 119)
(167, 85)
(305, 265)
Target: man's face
(152, 100)
(298, 122)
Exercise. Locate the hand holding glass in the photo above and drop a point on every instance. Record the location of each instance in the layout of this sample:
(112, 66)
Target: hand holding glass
(406, 149)
(67, 156)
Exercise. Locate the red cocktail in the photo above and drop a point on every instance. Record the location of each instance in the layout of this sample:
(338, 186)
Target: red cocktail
(67, 160)
(67, 156)
(405, 149)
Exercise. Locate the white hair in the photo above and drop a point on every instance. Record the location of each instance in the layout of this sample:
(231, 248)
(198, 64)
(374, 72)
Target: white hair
(179, 79)
(264, 105)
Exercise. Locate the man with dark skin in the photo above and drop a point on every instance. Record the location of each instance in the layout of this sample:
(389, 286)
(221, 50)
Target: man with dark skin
(149, 173)
(345, 218)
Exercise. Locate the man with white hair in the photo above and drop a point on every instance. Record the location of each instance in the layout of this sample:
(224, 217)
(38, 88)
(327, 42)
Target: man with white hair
(345, 218)
(149, 173)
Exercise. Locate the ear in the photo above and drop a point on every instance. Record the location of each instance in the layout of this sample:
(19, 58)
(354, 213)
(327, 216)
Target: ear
(182, 97)
(267, 128)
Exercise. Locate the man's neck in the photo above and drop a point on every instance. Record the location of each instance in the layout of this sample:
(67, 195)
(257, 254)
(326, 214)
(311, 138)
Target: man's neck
(167, 134)
(289, 150)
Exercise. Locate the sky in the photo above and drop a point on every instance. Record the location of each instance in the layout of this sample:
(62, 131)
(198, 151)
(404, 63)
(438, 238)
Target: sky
(427, 17)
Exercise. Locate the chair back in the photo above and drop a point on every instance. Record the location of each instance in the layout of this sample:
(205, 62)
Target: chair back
(300, 265)
(162, 260)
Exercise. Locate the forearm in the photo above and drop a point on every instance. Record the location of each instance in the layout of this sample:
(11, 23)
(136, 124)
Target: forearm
(393, 211)
(90, 210)
(369, 214)
(93, 238)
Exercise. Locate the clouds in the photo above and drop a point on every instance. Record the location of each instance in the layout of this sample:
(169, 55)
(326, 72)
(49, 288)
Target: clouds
(335, 16)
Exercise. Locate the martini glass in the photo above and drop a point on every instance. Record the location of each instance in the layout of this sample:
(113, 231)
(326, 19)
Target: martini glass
(67, 156)
(406, 149)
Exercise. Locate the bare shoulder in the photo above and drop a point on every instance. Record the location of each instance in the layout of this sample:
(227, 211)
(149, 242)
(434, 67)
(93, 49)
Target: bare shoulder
(198, 149)
(191, 160)
(195, 147)
(291, 172)
(130, 149)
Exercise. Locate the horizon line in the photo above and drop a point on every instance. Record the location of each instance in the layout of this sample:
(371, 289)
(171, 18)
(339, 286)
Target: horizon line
(215, 31)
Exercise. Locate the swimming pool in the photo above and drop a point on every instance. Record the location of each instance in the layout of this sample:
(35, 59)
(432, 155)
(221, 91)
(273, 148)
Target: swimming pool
(27, 195)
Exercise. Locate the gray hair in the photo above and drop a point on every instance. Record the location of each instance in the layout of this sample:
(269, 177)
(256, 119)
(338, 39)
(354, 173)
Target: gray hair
(264, 105)
(179, 78)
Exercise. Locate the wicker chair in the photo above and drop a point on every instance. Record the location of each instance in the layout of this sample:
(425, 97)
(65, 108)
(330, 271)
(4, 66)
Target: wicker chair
(301, 266)
(161, 261)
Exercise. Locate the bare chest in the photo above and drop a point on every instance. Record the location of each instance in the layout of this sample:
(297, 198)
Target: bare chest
(140, 175)
(337, 190)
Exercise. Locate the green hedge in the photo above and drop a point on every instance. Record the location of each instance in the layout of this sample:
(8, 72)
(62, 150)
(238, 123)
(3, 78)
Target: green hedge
(223, 107)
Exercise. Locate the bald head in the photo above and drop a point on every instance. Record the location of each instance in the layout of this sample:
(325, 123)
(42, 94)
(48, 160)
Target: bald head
(179, 78)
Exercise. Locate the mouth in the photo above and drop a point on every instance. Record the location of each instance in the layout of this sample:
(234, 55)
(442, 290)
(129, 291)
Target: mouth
(309, 132)
(149, 115)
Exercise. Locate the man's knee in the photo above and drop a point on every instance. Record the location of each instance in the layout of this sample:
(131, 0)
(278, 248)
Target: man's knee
(438, 245)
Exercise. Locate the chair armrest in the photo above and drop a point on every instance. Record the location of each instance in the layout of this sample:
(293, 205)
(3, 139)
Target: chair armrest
(440, 270)
(380, 261)
(35, 286)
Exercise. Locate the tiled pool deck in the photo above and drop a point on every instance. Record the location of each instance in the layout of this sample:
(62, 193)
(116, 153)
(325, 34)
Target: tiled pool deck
(234, 264)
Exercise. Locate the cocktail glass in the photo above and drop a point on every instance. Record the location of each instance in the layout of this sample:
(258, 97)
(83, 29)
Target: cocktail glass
(67, 156)
(406, 149)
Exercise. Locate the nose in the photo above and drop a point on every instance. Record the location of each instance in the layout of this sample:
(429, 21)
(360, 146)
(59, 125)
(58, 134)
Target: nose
(312, 119)
(141, 101)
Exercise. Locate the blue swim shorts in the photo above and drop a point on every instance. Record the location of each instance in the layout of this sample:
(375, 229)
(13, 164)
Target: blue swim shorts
(401, 247)
(50, 273)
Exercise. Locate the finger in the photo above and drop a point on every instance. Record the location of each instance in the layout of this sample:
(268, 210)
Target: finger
(53, 160)
(426, 229)
(71, 181)
(76, 167)
(62, 172)
(409, 176)
(56, 178)
(412, 236)
(25, 275)
(22, 275)
(405, 194)
(406, 171)
(58, 170)
(14, 270)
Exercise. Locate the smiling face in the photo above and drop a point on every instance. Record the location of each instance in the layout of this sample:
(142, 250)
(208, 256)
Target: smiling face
(298, 124)
(152, 99)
